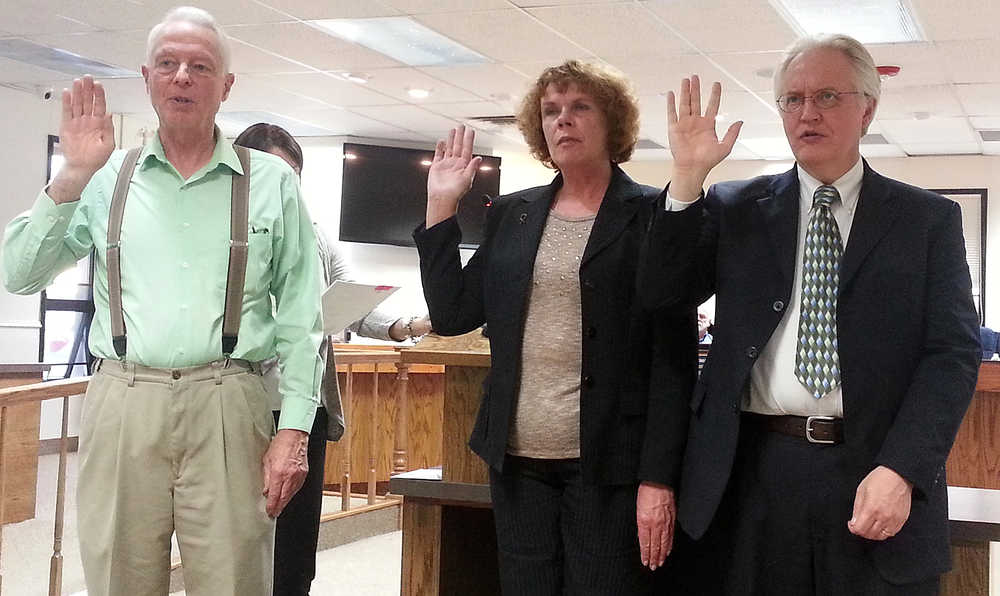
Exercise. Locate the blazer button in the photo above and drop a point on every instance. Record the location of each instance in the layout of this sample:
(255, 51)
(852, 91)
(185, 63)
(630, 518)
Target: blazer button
(778, 306)
(588, 284)
(591, 332)
(752, 352)
(588, 382)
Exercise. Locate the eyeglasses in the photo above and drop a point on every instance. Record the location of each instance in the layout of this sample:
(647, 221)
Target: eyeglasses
(824, 99)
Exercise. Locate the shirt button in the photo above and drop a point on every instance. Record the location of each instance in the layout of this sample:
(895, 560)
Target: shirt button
(752, 352)
(184, 307)
(52, 219)
(588, 284)
(185, 265)
(187, 225)
(778, 306)
(175, 374)
(588, 382)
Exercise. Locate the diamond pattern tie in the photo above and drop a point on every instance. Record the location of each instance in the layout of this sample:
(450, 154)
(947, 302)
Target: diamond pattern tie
(817, 365)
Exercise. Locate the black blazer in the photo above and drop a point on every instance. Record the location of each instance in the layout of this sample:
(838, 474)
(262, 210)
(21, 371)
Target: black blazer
(637, 367)
(906, 328)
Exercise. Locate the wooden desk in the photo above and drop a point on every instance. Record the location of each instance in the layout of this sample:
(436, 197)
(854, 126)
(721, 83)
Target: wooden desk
(20, 444)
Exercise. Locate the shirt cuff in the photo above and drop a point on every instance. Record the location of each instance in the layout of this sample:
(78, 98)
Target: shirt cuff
(672, 204)
(46, 214)
(297, 413)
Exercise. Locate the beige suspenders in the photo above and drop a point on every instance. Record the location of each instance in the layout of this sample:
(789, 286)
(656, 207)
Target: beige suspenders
(238, 224)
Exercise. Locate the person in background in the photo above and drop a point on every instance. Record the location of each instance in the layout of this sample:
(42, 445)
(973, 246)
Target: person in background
(176, 434)
(584, 413)
(845, 354)
(297, 531)
(704, 325)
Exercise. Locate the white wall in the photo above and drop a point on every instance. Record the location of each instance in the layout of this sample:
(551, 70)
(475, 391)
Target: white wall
(972, 171)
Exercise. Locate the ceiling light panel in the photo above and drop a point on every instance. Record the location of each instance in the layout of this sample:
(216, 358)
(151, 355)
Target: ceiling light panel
(868, 21)
(402, 39)
(22, 50)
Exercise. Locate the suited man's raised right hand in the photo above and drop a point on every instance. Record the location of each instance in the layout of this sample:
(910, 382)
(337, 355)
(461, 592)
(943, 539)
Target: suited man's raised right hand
(86, 137)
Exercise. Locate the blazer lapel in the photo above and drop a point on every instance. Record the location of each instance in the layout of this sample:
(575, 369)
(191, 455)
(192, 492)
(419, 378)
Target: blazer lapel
(621, 201)
(530, 217)
(877, 208)
(779, 209)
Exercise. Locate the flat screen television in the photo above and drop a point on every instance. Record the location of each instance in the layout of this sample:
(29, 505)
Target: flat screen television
(384, 195)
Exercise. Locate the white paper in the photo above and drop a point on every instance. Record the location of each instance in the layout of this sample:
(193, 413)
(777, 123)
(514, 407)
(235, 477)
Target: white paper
(345, 302)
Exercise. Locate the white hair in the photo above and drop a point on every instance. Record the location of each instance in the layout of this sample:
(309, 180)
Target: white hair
(193, 16)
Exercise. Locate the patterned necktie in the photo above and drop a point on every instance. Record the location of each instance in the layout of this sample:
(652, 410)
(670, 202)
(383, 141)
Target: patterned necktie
(817, 365)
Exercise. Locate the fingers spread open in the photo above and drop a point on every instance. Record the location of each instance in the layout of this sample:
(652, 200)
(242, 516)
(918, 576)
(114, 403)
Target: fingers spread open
(695, 95)
(713, 101)
(100, 100)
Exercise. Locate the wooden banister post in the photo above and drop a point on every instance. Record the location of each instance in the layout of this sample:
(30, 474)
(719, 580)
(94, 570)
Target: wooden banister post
(400, 442)
(56, 563)
(345, 466)
(373, 452)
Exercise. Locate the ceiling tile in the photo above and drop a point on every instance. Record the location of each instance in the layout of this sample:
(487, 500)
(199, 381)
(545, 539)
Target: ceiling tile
(464, 110)
(344, 122)
(599, 28)
(433, 6)
(972, 61)
(722, 25)
(744, 67)
(12, 71)
(395, 82)
(980, 100)
(254, 93)
(970, 148)
(938, 101)
(246, 58)
(316, 49)
(652, 75)
(331, 89)
(920, 63)
(936, 130)
(504, 35)
(496, 82)
(25, 17)
(958, 19)
(411, 118)
(125, 49)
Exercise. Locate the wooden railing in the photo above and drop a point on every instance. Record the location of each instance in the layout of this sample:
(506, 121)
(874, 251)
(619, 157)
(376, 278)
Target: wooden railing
(352, 359)
(64, 389)
(38, 392)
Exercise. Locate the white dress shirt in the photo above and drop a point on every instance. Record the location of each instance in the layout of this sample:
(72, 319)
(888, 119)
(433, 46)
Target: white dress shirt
(774, 389)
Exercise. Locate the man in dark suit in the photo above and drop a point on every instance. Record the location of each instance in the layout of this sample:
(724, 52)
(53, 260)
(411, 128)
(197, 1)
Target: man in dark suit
(845, 351)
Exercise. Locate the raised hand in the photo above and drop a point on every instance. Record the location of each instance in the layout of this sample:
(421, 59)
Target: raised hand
(451, 174)
(86, 137)
(693, 141)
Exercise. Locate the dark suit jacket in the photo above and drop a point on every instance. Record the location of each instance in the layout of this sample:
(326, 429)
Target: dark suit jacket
(637, 367)
(906, 326)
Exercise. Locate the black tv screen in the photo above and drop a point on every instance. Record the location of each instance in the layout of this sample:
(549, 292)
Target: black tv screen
(384, 195)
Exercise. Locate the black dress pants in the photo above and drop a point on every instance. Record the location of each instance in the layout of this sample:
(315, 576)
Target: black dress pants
(781, 529)
(557, 535)
(297, 529)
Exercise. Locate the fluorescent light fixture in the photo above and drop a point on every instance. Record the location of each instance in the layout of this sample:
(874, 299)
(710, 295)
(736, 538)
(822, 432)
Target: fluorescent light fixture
(355, 77)
(235, 122)
(425, 162)
(868, 21)
(417, 93)
(485, 168)
(22, 50)
(402, 39)
(350, 156)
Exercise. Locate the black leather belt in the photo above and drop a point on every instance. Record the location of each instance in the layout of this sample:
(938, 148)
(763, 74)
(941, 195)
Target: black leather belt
(824, 430)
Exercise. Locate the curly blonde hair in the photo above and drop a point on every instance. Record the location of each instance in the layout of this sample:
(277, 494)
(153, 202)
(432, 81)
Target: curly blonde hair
(611, 91)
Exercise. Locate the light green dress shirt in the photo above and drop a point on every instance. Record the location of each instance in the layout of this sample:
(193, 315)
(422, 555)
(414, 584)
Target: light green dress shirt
(174, 259)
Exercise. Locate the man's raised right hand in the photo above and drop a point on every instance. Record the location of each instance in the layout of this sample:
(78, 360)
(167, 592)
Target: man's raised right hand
(86, 137)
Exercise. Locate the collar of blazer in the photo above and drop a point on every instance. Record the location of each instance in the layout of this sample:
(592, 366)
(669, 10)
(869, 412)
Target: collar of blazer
(621, 201)
(778, 201)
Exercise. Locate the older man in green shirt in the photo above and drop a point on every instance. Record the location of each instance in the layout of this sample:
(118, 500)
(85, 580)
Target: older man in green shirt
(177, 429)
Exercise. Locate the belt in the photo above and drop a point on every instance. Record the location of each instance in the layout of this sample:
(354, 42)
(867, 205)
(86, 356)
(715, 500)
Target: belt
(825, 430)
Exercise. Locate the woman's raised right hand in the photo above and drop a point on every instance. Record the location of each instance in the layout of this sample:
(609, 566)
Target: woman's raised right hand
(451, 174)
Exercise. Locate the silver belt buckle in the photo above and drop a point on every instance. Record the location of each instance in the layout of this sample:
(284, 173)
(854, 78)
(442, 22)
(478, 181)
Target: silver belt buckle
(809, 429)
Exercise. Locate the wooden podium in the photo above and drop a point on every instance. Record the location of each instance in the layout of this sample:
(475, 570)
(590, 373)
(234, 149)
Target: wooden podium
(974, 489)
(449, 543)
(19, 447)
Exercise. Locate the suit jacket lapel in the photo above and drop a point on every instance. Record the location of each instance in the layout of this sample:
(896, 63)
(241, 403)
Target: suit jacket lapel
(779, 209)
(621, 201)
(877, 208)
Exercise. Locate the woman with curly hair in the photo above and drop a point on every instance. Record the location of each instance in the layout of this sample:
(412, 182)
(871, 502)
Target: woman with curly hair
(584, 413)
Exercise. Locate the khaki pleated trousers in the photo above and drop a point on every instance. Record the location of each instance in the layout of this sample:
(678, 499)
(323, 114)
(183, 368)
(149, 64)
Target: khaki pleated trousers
(164, 451)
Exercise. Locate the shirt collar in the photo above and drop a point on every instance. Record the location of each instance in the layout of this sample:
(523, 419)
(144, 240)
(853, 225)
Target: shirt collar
(848, 185)
(222, 154)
